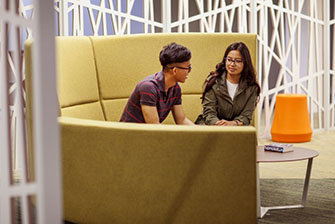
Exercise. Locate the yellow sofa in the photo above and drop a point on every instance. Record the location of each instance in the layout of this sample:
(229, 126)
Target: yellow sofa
(139, 173)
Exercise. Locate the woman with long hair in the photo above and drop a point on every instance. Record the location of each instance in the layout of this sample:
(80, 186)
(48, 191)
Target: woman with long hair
(231, 92)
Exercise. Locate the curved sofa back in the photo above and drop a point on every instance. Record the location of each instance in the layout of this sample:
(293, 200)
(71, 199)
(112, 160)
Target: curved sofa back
(96, 75)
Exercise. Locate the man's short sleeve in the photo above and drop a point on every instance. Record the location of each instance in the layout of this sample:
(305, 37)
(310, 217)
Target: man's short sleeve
(148, 93)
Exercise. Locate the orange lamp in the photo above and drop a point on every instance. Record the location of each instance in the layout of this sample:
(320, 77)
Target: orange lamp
(291, 121)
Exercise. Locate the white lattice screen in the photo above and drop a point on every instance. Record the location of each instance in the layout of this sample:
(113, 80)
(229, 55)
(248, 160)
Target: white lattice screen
(294, 39)
(294, 53)
(23, 199)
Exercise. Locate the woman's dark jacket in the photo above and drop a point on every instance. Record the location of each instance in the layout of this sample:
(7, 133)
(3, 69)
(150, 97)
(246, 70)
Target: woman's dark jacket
(217, 104)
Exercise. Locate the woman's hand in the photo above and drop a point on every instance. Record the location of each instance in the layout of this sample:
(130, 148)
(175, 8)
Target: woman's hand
(225, 123)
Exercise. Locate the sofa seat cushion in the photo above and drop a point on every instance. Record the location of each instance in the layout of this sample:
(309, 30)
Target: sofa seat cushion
(90, 111)
(114, 108)
(192, 107)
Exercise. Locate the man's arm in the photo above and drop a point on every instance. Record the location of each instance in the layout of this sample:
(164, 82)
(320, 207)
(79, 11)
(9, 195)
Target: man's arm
(150, 114)
(179, 115)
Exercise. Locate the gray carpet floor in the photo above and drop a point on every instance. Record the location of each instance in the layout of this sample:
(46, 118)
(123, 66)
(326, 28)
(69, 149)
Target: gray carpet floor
(319, 209)
(320, 205)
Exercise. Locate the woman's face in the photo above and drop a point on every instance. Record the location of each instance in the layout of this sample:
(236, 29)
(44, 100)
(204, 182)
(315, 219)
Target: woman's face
(234, 63)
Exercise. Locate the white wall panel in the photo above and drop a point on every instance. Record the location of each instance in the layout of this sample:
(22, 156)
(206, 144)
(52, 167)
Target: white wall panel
(16, 189)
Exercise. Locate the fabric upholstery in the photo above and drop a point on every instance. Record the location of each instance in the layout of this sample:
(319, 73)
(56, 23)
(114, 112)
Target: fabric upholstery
(29, 106)
(77, 78)
(91, 111)
(115, 172)
(135, 173)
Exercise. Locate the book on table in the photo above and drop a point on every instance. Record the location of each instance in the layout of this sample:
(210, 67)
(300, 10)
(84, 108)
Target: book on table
(279, 147)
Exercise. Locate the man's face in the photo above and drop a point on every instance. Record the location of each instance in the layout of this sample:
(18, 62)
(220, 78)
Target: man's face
(182, 71)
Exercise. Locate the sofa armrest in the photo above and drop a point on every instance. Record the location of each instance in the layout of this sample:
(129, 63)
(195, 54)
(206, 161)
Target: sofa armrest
(141, 173)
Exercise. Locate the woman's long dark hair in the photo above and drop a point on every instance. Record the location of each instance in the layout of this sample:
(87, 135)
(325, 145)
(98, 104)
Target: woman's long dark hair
(248, 73)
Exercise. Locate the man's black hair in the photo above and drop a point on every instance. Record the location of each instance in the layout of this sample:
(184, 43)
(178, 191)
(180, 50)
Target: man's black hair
(174, 53)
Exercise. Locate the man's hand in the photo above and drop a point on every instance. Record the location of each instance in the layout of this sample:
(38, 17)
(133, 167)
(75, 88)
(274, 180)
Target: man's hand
(150, 114)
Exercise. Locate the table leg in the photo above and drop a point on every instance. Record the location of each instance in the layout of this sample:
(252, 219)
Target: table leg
(261, 211)
(307, 178)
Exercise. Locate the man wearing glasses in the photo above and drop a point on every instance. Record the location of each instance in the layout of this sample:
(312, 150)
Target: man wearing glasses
(156, 95)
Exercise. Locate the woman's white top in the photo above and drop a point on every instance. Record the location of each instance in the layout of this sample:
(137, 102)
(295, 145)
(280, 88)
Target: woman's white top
(231, 89)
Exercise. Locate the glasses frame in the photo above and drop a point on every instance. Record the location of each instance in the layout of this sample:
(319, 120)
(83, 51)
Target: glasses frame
(189, 68)
(233, 61)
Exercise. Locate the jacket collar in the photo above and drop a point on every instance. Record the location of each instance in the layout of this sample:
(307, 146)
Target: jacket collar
(241, 86)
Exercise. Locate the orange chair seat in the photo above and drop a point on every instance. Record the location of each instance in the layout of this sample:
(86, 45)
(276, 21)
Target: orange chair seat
(291, 121)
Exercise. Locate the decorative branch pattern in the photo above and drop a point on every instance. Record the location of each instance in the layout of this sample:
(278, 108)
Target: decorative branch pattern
(290, 39)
